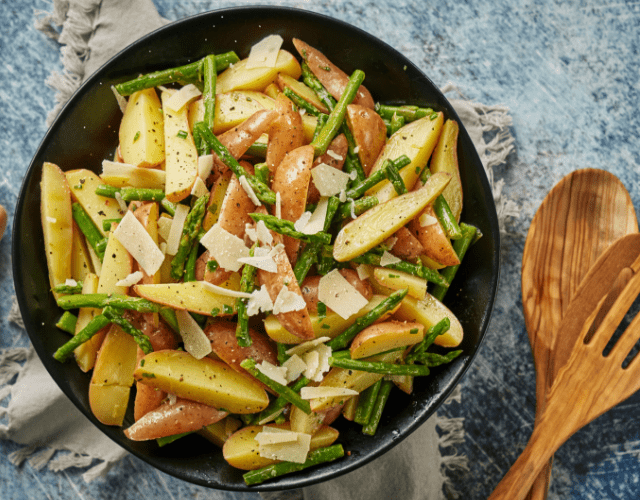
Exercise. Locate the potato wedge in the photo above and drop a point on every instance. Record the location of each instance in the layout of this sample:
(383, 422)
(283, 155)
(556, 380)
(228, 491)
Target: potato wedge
(121, 174)
(385, 336)
(380, 222)
(241, 450)
(85, 354)
(417, 140)
(291, 180)
(238, 77)
(232, 108)
(192, 296)
(57, 223)
(330, 325)
(117, 265)
(332, 78)
(214, 205)
(285, 133)
(350, 379)
(435, 242)
(112, 377)
(407, 246)
(141, 130)
(445, 159)
(83, 184)
(181, 155)
(369, 133)
(179, 373)
(81, 264)
(398, 280)
(285, 81)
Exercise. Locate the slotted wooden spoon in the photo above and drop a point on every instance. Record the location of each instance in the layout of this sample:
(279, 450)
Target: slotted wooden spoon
(579, 218)
(588, 383)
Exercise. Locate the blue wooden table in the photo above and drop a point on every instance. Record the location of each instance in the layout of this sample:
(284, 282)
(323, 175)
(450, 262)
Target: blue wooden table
(569, 72)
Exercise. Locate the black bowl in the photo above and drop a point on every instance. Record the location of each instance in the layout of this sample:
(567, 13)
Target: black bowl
(86, 132)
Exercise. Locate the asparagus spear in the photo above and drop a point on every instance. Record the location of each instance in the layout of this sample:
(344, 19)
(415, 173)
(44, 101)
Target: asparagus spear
(209, 91)
(88, 228)
(388, 304)
(100, 300)
(356, 207)
(431, 275)
(315, 457)
(409, 113)
(378, 176)
(280, 402)
(286, 228)
(394, 177)
(443, 211)
(189, 73)
(65, 289)
(430, 336)
(93, 327)
(262, 191)
(67, 322)
(131, 193)
(114, 316)
(460, 246)
(286, 392)
(379, 367)
(366, 402)
(376, 415)
(247, 285)
(192, 226)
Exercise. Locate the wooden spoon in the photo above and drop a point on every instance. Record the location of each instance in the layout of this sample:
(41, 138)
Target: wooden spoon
(589, 383)
(580, 217)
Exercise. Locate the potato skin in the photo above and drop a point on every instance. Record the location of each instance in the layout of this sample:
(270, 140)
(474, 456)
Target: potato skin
(339, 148)
(285, 133)
(369, 132)
(310, 287)
(407, 246)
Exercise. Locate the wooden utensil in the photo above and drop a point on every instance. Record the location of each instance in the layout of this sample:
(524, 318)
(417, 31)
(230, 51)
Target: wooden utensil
(579, 218)
(588, 383)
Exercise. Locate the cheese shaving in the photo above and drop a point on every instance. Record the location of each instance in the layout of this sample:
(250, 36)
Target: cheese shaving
(249, 190)
(329, 180)
(340, 295)
(122, 102)
(224, 247)
(177, 225)
(205, 166)
(262, 259)
(264, 235)
(184, 96)
(278, 205)
(295, 367)
(288, 301)
(271, 417)
(276, 373)
(325, 392)
(302, 222)
(306, 346)
(427, 220)
(334, 155)
(164, 227)
(135, 238)
(70, 282)
(195, 340)
(225, 291)
(130, 280)
(267, 436)
(264, 54)
(364, 271)
(293, 450)
(260, 301)
(199, 188)
(388, 259)
(123, 205)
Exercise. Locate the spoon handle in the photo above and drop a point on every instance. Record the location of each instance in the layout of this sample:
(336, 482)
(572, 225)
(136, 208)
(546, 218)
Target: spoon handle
(544, 442)
(540, 487)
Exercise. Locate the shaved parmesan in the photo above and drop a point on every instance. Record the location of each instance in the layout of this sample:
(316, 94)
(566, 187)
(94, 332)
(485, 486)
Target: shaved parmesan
(195, 340)
(225, 291)
(427, 220)
(224, 247)
(250, 232)
(302, 222)
(317, 361)
(164, 227)
(277, 373)
(130, 280)
(312, 360)
(71, 282)
(340, 295)
(334, 155)
(123, 205)
(391, 242)
(288, 301)
(260, 301)
(312, 223)
(177, 225)
(278, 205)
(290, 451)
(295, 366)
(306, 346)
(184, 96)
(135, 238)
(388, 259)
(329, 180)
(266, 437)
(122, 102)
(262, 259)
(264, 235)
(325, 392)
(249, 190)
(264, 54)
(364, 271)
(271, 417)
(199, 188)
(205, 166)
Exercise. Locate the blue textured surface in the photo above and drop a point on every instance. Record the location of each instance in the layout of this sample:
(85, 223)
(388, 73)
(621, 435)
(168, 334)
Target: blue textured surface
(569, 71)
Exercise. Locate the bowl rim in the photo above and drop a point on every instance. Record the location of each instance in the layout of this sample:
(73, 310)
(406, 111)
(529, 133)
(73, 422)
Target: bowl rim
(321, 473)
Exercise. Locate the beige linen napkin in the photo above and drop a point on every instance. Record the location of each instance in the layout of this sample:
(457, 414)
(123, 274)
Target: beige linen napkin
(39, 415)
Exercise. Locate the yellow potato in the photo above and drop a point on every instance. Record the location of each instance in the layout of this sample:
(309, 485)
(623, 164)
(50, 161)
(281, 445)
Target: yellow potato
(81, 264)
(309, 123)
(117, 265)
(219, 432)
(285, 81)
(83, 184)
(86, 353)
(232, 108)
(181, 155)
(382, 221)
(350, 379)
(192, 296)
(141, 130)
(385, 336)
(214, 205)
(238, 77)
(203, 380)
(241, 450)
(398, 280)
(57, 223)
(329, 326)
(120, 175)
(445, 159)
(307, 423)
(416, 140)
(112, 377)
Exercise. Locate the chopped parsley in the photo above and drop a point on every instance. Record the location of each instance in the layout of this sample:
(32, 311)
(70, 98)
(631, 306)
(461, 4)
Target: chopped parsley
(182, 134)
(137, 136)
